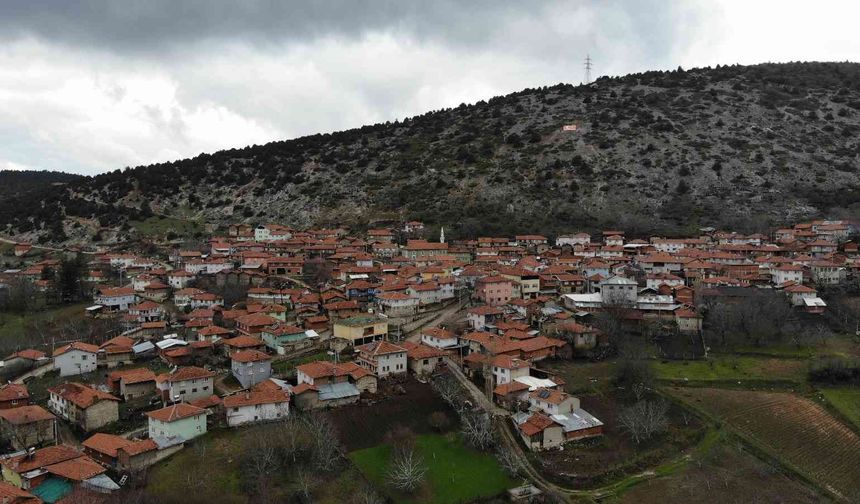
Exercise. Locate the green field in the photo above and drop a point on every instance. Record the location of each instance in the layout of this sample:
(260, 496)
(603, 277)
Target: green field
(733, 368)
(455, 472)
(846, 401)
(160, 226)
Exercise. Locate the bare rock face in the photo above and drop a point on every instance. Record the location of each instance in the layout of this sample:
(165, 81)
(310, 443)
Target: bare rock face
(658, 152)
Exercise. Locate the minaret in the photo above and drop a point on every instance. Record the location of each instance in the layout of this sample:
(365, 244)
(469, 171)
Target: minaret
(442, 235)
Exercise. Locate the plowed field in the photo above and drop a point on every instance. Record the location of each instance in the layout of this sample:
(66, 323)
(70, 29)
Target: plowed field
(792, 429)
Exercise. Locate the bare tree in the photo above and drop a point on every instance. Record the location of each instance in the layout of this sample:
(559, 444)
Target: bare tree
(369, 496)
(260, 463)
(645, 419)
(292, 437)
(304, 484)
(325, 449)
(406, 470)
(449, 389)
(508, 460)
(477, 429)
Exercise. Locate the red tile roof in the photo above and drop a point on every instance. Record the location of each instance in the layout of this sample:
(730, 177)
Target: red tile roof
(81, 395)
(176, 412)
(250, 356)
(254, 397)
(13, 392)
(77, 469)
(106, 443)
(186, 373)
(26, 414)
(77, 345)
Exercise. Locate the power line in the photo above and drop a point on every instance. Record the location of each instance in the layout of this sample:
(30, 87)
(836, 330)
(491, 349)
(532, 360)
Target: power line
(588, 65)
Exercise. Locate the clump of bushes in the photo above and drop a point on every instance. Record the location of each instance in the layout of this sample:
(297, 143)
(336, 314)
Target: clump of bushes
(836, 372)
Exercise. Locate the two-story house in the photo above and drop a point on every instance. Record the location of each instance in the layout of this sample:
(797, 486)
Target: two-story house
(185, 384)
(84, 406)
(382, 358)
(250, 367)
(76, 358)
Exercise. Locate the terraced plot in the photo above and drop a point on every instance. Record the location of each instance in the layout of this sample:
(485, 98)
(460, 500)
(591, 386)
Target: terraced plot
(791, 428)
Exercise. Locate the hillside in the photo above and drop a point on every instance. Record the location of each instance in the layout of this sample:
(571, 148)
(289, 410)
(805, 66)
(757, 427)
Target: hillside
(14, 182)
(660, 152)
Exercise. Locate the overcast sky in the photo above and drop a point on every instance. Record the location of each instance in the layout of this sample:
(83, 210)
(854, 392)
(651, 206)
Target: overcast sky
(91, 86)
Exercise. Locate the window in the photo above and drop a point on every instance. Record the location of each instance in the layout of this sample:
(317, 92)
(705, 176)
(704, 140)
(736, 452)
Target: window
(194, 390)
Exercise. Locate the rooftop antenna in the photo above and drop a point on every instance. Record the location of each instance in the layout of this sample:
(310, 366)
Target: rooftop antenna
(588, 69)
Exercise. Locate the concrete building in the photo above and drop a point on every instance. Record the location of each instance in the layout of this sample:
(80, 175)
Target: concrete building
(76, 358)
(179, 420)
(84, 406)
(361, 329)
(250, 367)
(382, 358)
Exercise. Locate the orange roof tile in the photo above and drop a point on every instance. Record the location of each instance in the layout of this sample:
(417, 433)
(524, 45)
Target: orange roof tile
(175, 412)
(81, 395)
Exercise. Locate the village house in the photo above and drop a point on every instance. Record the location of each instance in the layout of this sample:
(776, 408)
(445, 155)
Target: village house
(13, 395)
(177, 421)
(132, 383)
(54, 472)
(421, 359)
(286, 338)
(253, 324)
(121, 454)
(205, 300)
(438, 338)
(506, 369)
(26, 426)
(250, 367)
(553, 419)
(827, 273)
(494, 290)
(573, 240)
(483, 317)
(382, 358)
(11, 494)
(416, 249)
(185, 384)
(239, 343)
(76, 358)
(361, 329)
(786, 273)
(323, 372)
(84, 406)
(397, 304)
(115, 299)
(116, 351)
(258, 405)
(145, 311)
(618, 291)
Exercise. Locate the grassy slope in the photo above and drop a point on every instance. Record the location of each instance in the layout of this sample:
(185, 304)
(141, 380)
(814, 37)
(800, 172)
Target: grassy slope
(13, 326)
(456, 473)
(846, 401)
(160, 226)
(729, 367)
